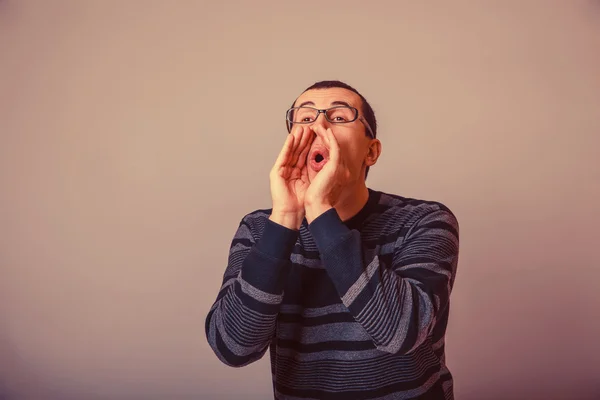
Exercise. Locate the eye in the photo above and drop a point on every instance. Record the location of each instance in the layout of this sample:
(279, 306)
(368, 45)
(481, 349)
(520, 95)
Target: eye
(304, 115)
(340, 114)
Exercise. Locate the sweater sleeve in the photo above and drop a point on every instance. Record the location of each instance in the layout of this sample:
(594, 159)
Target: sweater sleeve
(396, 304)
(241, 322)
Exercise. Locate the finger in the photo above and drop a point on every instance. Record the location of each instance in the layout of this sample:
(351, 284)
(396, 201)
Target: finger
(305, 144)
(310, 137)
(334, 147)
(307, 138)
(296, 135)
(285, 152)
(299, 136)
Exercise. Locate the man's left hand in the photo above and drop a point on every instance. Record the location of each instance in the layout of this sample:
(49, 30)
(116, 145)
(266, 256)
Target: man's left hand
(325, 189)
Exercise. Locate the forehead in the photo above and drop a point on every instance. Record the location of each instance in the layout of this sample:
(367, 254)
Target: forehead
(324, 97)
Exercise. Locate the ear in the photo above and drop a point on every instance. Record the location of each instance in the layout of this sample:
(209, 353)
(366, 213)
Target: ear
(374, 152)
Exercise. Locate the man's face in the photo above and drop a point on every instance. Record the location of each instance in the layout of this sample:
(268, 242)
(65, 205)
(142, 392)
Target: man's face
(351, 137)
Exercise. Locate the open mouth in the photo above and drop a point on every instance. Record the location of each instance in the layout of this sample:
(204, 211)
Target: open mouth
(318, 159)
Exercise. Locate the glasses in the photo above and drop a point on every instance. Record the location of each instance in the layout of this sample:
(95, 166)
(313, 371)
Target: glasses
(335, 115)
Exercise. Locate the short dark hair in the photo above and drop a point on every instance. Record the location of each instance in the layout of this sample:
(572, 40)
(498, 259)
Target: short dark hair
(366, 109)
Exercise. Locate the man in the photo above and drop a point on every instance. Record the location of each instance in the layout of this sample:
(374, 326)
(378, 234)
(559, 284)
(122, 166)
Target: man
(348, 286)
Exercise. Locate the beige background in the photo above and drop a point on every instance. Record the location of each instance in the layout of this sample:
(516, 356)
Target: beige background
(136, 134)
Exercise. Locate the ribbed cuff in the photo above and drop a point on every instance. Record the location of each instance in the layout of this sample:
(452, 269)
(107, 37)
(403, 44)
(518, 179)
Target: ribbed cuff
(268, 264)
(277, 241)
(328, 229)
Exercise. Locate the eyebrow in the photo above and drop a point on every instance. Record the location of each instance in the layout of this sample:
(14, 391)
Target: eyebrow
(333, 103)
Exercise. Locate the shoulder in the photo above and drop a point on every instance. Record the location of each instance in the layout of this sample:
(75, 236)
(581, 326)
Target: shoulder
(407, 212)
(255, 221)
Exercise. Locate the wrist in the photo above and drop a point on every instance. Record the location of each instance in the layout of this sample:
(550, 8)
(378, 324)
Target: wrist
(289, 220)
(314, 210)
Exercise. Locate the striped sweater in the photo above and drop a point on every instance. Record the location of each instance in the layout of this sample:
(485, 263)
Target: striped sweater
(352, 309)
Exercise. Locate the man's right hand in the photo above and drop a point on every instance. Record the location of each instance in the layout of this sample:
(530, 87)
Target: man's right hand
(289, 178)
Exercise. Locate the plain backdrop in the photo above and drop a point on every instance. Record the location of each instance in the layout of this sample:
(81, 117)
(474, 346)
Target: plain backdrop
(135, 135)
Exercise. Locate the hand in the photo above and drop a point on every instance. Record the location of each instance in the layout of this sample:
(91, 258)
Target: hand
(326, 188)
(289, 178)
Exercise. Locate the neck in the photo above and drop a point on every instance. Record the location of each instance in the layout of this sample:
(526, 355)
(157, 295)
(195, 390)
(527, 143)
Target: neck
(352, 200)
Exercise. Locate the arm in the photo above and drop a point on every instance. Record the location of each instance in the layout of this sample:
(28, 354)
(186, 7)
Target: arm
(241, 322)
(398, 304)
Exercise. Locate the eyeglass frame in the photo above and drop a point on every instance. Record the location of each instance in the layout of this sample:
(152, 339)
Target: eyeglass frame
(324, 111)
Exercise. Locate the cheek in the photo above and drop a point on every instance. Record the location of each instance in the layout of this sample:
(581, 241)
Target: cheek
(352, 153)
(353, 157)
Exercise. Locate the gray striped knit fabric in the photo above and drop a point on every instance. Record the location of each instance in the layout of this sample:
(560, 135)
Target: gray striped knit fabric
(349, 310)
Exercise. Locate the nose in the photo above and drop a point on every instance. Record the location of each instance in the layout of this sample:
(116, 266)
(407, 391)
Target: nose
(322, 121)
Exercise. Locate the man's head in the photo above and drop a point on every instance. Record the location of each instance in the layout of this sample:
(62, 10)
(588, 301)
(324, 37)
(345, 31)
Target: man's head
(357, 139)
